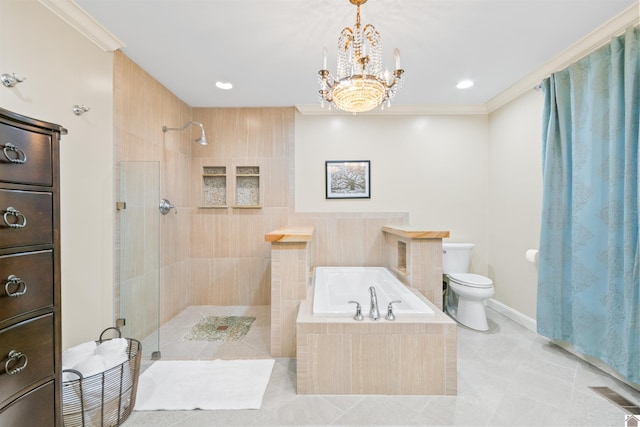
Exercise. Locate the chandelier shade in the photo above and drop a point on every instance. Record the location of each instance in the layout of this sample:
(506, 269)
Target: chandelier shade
(360, 84)
(358, 94)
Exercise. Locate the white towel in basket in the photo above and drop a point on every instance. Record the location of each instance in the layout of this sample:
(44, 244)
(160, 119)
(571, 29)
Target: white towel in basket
(93, 365)
(79, 353)
(91, 359)
(114, 352)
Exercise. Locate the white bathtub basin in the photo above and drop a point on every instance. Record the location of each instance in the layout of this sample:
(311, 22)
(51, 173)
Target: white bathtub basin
(335, 286)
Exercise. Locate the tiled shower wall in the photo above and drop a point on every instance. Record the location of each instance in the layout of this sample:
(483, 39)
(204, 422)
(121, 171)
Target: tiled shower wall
(230, 261)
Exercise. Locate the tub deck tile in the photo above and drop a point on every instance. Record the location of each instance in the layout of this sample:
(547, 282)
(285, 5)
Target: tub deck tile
(410, 356)
(376, 362)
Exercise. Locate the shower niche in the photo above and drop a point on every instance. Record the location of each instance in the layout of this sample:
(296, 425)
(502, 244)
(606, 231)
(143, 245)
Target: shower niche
(246, 187)
(214, 187)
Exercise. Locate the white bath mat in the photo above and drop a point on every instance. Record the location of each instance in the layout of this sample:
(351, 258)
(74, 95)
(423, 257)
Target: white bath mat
(199, 384)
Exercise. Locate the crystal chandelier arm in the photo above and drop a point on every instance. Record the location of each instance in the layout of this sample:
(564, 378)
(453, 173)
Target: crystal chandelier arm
(327, 80)
(397, 75)
(370, 32)
(346, 38)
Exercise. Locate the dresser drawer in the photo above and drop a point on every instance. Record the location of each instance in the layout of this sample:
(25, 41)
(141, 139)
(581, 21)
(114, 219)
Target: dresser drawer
(32, 338)
(25, 157)
(26, 283)
(35, 212)
(33, 409)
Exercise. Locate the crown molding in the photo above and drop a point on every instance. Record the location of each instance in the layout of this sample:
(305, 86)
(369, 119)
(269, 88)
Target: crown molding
(75, 16)
(592, 41)
(394, 110)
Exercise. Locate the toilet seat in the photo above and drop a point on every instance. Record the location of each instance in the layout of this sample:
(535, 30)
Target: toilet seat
(471, 280)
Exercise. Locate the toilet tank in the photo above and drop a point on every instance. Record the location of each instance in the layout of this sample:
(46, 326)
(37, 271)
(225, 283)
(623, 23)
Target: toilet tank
(456, 257)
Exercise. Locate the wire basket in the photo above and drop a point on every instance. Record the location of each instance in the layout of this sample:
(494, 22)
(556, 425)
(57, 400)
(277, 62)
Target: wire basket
(105, 399)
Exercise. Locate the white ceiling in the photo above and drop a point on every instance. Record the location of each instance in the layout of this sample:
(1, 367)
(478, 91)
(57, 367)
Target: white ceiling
(271, 50)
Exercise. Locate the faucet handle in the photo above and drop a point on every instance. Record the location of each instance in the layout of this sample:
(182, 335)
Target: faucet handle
(358, 315)
(390, 315)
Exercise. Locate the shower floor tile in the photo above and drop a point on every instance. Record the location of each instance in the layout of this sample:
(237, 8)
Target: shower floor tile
(174, 346)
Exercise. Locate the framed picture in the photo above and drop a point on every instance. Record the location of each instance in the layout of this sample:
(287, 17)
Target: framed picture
(349, 179)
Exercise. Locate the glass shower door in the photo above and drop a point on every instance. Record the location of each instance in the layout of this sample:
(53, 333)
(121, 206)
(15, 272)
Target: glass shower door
(139, 289)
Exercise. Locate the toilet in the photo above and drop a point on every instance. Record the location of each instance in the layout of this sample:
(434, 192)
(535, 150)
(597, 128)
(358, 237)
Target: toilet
(467, 292)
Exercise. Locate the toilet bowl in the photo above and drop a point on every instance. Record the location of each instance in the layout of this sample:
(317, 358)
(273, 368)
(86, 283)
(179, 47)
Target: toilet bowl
(467, 292)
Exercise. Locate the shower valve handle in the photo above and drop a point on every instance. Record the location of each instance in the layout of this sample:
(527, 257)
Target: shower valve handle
(166, 206)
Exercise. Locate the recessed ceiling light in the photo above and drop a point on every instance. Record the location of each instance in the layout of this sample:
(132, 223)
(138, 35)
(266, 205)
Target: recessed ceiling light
(224, 85)
(464, 84)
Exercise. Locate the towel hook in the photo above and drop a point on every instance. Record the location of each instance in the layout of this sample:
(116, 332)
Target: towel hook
(10, 80)
(79, 110)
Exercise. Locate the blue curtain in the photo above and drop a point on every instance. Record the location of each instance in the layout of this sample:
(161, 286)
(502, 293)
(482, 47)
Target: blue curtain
(588, 280)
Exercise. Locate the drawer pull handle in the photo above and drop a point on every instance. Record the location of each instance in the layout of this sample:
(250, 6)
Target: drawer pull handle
(14, 358)
(19, 157)
(16, 213)
(21, 286)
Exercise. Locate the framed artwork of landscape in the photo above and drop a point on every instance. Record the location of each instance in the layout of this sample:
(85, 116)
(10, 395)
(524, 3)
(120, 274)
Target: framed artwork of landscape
(348, 179)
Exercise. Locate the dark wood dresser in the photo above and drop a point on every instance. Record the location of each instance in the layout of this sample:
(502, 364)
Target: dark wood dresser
(30, 335)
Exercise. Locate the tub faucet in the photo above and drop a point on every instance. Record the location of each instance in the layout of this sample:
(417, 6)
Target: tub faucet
(374, 313)
(390, 314)
(358, 315)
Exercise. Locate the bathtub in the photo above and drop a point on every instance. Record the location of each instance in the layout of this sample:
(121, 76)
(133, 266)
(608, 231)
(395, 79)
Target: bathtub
(335, 286)
(336, 355)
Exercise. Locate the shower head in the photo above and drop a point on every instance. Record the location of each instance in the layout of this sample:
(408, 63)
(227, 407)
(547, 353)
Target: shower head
(202, 139)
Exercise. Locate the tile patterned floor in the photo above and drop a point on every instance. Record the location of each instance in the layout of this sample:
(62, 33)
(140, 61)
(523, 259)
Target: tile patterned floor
(507, 376)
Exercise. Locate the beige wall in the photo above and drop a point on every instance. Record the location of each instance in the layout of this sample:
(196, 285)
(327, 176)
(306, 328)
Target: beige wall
(515, 199)
(64, 68)
(433, 167)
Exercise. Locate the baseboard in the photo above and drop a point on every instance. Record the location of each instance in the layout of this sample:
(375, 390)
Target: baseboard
(512, 314)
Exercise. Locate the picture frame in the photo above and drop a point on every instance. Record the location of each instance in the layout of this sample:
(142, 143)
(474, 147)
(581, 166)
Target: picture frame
(348, 179)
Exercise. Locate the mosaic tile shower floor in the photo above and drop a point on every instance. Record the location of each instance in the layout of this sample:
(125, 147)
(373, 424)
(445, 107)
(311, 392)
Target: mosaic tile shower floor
(220, 328)
(254, 345)
(508, 376)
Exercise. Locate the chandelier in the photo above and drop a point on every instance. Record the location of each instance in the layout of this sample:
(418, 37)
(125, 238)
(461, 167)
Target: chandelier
(360, 83)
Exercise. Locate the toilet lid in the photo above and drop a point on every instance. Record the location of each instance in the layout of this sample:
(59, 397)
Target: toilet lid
(472, 280)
